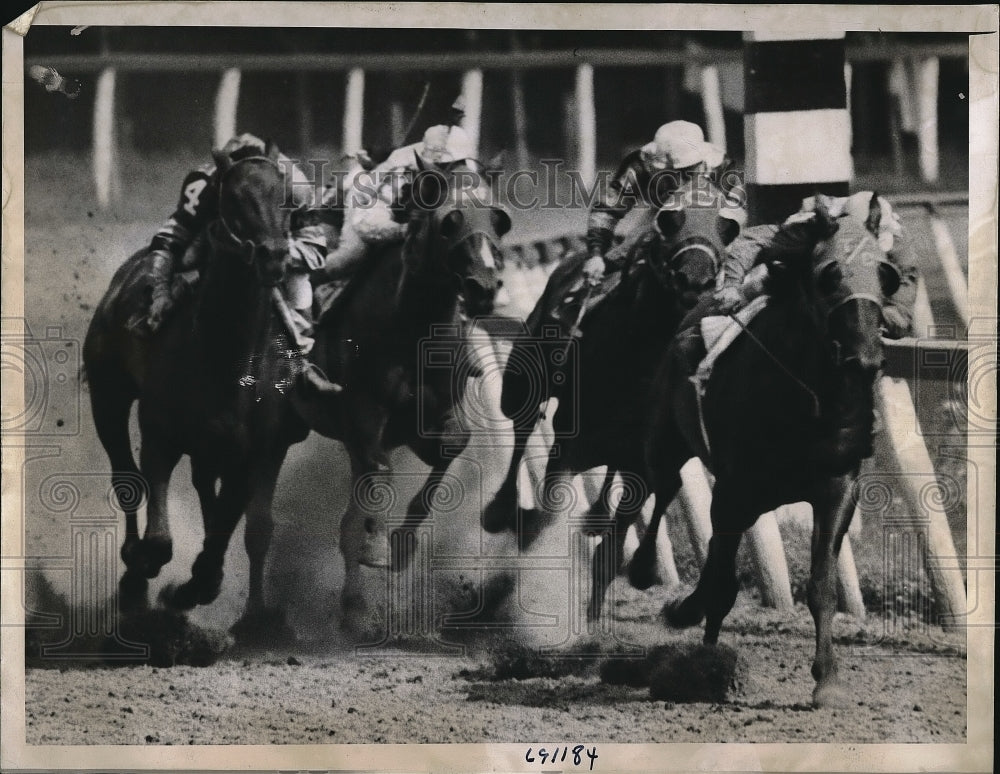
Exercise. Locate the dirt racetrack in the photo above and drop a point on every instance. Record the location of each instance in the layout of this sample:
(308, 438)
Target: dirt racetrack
(906, 685)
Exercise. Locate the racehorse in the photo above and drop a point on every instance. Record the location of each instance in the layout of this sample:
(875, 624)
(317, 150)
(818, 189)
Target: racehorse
(212, 383)
(788, 414)
(409, 302)
(602, 379)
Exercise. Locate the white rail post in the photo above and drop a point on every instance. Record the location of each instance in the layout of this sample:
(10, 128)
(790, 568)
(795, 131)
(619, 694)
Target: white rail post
(847, 581)
(696, 500)
(958, 285)
(903, 429)
(226, 100)
(927, 122)
(104, 136)
(396, 123)
(586, 123)
(848, 83)
(772, 567)
(472, 93)
(923, 317)
(711, 98)
(354, 110)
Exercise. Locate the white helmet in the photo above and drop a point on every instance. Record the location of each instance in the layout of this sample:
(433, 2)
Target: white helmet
(856, 206)
(678, 145)
(443, 144)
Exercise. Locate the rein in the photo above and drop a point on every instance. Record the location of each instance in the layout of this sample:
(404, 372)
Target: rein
(247, 247)
(812, 394)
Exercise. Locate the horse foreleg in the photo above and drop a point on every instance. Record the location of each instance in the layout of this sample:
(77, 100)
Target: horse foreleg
(609, 556)
(158, 460)
(362, 538)
(257, 620)
(501, 512)
(832, 512)
(206, 573)
(403, 538)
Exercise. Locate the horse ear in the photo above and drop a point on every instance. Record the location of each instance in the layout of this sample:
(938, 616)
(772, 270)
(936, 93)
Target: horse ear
(501, 221)
(669, 222)
(421, 166)
(874, 220)
(271, 150)
(728, 229)
(451, 223)
(222, 160)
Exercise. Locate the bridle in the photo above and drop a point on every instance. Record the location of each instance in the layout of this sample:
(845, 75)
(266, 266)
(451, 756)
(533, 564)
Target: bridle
(221, 232)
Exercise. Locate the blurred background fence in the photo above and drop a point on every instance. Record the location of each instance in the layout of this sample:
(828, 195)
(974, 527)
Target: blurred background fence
(585, 97)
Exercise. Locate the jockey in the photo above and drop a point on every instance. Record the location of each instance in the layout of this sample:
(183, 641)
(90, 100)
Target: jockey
(372, 196)
(651, 174)
(738, 285)
(174, 270)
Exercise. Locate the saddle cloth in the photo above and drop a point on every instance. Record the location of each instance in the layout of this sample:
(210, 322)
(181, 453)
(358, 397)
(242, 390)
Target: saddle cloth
(718, 332)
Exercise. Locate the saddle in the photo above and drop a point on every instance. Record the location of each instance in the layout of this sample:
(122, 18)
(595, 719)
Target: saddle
(717, 333)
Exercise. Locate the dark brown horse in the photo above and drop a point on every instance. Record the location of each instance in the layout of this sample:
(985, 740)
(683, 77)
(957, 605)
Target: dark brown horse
(212, 383)
(603, 379)
(788, 417)
(409, 302)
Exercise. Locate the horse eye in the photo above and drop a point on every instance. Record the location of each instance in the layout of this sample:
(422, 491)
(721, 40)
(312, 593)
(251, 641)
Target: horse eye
(830, 278)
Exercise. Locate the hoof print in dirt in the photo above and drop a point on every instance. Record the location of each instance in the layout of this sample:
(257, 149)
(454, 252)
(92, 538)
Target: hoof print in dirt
(518, 662)
(633, 672)
(172, 639)
(701, 673)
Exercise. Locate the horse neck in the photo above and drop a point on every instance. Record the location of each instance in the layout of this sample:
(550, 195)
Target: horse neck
(233, 312)
(654, 304)
(426, 298)
(790, 331)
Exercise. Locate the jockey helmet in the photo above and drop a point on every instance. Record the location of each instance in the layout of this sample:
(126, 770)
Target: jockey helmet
(856, 207)
(678, 145)
(244, 145)
(443, 144)
(889, 228)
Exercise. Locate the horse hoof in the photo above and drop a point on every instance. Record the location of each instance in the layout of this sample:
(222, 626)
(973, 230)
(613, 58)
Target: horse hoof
(149, 555)
(133, 593)
(176, 597)
(682, 615)
(641, 571)
(268, 626)
(497, 515)
(830, 695)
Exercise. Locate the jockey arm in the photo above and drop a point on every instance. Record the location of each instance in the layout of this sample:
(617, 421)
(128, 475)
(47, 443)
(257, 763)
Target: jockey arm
(623, 193)
(897, 309)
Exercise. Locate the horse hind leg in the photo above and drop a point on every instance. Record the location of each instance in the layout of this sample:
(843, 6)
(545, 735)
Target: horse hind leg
(111, 399)
(715, 594)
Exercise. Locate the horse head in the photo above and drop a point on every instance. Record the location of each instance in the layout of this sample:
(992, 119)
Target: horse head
(454, 233)
(694, 228)
(838, 284)
(253, 220)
